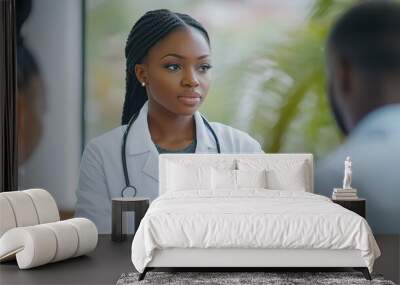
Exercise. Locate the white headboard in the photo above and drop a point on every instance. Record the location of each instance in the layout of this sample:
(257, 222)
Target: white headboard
(212, 159)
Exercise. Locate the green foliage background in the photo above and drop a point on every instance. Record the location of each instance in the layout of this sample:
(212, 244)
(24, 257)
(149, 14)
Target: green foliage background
(275, 90)
(291, 112)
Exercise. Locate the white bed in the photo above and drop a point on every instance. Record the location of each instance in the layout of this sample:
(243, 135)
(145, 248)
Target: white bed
(216, 224)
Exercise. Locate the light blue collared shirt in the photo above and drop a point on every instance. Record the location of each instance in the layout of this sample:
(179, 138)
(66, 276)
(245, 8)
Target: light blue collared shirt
(374, 148)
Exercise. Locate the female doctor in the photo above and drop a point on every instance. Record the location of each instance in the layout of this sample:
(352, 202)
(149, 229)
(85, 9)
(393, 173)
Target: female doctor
(167, 79)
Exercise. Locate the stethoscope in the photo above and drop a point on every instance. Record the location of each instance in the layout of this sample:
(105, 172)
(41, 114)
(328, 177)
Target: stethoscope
(123, 152)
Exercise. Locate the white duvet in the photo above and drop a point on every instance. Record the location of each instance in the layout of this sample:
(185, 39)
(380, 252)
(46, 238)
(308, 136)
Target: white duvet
(252, 218)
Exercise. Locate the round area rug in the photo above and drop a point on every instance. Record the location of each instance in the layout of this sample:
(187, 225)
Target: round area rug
(225, 278)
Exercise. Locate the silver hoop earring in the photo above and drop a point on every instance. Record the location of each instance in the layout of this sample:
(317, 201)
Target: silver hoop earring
(143, 84)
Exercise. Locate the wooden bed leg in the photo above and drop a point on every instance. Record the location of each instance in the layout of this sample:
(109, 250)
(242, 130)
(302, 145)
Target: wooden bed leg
(143, 274)
(364, 271)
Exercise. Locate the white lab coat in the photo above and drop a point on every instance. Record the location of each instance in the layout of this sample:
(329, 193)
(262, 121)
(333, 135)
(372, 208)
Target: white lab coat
(101, 174)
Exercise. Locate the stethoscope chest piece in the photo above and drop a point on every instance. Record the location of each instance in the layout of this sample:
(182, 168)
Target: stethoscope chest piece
(129, 191)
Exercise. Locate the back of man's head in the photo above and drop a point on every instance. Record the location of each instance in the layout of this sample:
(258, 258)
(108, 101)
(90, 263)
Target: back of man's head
(368, 35)
(364, 60)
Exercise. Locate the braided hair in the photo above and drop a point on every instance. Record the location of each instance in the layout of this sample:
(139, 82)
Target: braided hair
(147, 31)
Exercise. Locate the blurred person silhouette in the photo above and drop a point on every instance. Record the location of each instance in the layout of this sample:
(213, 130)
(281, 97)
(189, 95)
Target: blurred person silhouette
(363, 77)
(30, 92)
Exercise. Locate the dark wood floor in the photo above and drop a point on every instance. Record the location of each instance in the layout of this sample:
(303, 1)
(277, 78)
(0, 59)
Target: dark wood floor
(389, 262)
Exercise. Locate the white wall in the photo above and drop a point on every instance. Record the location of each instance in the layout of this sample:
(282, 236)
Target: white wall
(53, 33)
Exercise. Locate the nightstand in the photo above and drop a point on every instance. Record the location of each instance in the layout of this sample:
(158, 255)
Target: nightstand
(126, 204)
(356, 205)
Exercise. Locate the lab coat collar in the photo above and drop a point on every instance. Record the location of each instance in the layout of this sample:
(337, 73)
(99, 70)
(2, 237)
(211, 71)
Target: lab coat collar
(205, 140)
(139, 141)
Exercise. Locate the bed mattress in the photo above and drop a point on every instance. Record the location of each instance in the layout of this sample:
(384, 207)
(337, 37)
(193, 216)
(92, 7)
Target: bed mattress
(250, 219)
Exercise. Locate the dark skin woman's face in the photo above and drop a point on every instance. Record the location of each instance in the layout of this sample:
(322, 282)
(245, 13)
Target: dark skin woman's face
(176, 72)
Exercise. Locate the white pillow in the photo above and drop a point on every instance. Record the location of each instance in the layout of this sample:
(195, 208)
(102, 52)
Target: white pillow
(282, 174)
(251, 178)
(223, 179)
(290, 179)
(188, 177)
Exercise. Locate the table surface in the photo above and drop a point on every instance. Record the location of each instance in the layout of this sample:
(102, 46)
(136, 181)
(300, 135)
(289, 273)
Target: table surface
(130, 199)
(348, 200)
(104, 265)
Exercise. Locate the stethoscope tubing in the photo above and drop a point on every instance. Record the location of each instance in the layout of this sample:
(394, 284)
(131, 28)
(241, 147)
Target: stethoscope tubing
(123, 151)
